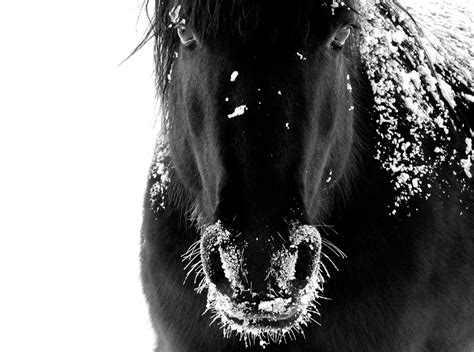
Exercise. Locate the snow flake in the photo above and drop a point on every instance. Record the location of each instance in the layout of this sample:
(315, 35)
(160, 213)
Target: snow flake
(301, 56)
(233, 76)
(239, 110)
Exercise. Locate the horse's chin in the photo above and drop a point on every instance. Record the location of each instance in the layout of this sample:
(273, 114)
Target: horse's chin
(270, 319)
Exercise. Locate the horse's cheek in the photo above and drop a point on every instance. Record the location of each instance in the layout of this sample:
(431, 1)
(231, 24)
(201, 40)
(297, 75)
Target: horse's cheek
(185, 166)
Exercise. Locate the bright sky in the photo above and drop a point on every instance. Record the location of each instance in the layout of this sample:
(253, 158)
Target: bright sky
(76, 137)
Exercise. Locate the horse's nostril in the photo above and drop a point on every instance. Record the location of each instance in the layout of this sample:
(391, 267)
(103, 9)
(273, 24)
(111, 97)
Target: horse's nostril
(212, 260)
(305, 264)
(215, 270)
(212, 263)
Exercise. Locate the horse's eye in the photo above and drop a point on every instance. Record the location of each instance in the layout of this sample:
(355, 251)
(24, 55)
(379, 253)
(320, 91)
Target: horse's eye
(340, 37)
(186, 35)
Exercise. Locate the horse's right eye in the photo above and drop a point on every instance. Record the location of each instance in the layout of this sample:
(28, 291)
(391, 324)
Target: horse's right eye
(186, 36)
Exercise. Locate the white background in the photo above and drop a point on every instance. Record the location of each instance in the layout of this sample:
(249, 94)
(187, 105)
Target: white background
(76, 137)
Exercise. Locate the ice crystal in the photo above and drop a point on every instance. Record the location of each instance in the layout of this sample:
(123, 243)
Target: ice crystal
(466, 163)
(239, 110)
(234, 76)
(159, 175)
(301, 56)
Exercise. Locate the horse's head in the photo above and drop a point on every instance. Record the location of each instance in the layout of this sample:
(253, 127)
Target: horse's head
(260, 126)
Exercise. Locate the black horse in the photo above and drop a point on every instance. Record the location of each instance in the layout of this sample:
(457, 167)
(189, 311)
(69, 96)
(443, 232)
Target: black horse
(313, 180)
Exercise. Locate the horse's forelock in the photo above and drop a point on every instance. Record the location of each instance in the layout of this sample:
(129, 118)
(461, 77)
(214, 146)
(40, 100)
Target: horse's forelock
(239, 18)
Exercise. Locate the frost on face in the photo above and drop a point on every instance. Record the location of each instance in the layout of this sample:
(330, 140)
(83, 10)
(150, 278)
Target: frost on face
(232, 261)
(278, 305)
(159, 175)
(231, 255)
(283, 263)
(413, 76)
(238, 316)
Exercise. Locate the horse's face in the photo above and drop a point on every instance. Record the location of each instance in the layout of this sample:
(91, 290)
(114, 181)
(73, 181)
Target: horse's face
(260, 129)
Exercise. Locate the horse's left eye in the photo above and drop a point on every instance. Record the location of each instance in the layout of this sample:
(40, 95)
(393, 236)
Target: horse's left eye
(341, 37)
(186, 35)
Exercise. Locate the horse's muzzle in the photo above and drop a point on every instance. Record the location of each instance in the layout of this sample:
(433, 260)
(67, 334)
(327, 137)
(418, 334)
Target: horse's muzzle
(261, 285)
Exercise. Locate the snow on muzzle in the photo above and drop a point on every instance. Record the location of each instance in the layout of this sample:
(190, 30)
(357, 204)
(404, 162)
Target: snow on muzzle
(262, 287)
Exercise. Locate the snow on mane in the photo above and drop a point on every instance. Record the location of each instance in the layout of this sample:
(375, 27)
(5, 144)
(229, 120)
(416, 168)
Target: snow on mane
(412, 74)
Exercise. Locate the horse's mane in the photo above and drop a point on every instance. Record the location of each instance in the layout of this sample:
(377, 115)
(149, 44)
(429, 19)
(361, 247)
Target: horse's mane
(422, 101)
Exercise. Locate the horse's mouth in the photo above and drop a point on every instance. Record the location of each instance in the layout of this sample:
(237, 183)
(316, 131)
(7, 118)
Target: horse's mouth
(268, 316)
(266, 322)
(288, 281)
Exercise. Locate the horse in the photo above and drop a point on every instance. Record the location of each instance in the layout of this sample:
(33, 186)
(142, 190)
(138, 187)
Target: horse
(311, 189)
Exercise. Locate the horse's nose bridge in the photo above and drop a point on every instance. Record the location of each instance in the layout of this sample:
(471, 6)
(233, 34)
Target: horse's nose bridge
(269, 90)
(261, 154)
(263, 124)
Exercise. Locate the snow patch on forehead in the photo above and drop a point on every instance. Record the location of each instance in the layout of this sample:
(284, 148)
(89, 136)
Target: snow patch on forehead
(233, 76)
(239, 110)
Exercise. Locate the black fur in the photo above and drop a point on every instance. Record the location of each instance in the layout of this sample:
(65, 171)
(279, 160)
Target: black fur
(408, 281)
